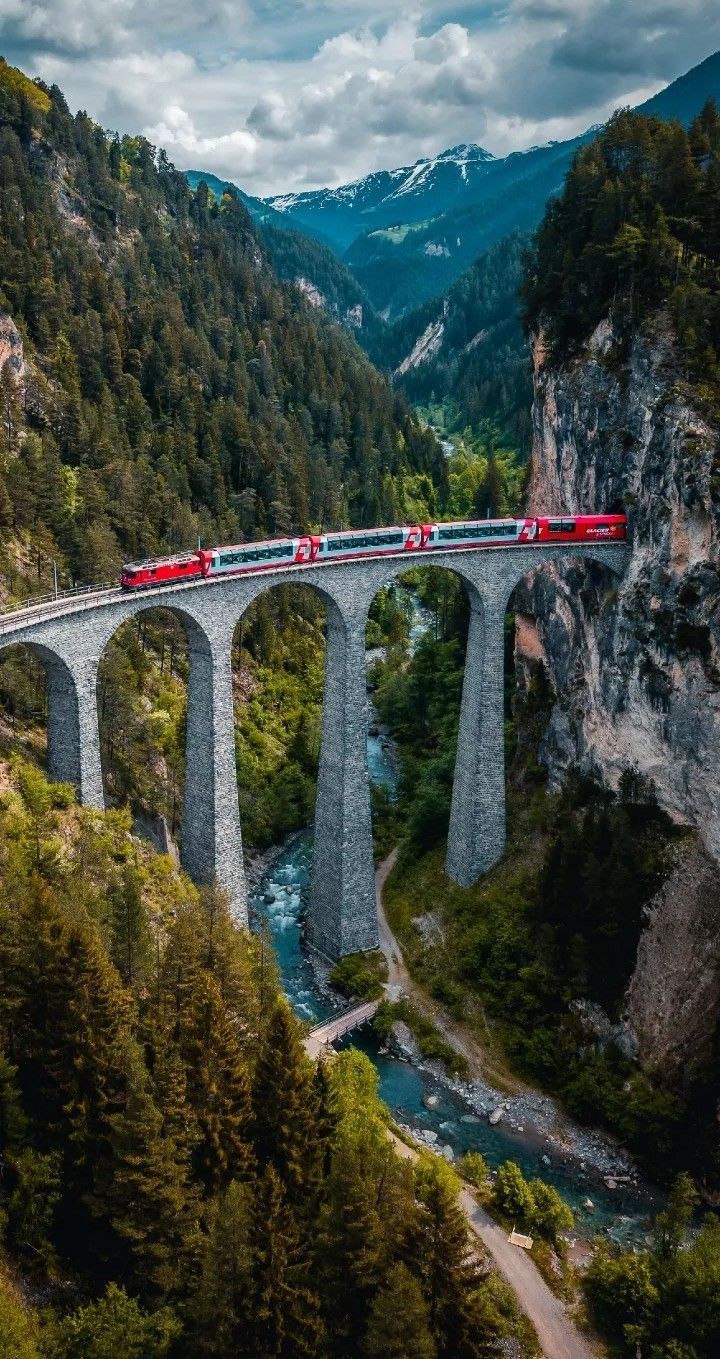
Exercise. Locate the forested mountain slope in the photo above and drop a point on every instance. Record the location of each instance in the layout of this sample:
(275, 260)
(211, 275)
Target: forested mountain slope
(467, 348)
(305, 260)
(178, 1180)
(399, 269)
(618, 689)
(163, 384)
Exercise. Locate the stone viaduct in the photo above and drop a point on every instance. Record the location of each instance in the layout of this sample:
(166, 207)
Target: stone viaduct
(70, 634)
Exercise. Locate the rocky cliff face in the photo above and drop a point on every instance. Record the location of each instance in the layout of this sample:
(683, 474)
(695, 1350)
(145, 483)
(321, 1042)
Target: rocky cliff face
(635, 666)
(11, 347)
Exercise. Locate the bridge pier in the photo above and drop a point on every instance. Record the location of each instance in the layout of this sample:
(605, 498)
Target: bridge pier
(476, 835)
(211, 836)
(73, 732)
(343, 914)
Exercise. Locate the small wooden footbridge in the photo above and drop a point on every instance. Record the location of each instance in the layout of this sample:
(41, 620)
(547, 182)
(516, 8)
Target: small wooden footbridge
(321, 1038)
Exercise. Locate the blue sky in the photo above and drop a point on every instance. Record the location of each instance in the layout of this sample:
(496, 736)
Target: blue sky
(283, 95)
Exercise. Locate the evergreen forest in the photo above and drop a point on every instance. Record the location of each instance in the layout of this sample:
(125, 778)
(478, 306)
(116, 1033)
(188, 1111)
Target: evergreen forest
(177, 1179)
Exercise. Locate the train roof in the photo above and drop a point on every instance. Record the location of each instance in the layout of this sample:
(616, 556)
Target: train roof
(257, 542)
(160, 561)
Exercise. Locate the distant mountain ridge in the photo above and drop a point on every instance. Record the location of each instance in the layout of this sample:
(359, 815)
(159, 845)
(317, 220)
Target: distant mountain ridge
(408, 234)
(381, 199)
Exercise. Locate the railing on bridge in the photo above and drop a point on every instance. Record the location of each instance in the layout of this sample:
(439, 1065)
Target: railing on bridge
(324, 1035)
(76, 590)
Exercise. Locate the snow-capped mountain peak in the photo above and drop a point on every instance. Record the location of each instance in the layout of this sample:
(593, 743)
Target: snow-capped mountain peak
(412, 191)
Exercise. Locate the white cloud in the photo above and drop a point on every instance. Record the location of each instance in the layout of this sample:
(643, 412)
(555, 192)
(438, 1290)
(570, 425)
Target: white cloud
(288, 94)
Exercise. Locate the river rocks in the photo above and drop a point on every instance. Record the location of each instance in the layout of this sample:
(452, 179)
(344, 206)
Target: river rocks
(496, 1116)
(431, 1101)
(448, 1153)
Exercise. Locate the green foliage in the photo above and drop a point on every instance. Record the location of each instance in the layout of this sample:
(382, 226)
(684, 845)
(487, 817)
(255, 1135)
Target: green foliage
(559, 918)
(115, 1325)
(430, 1041)
(19, 1330)
(665, 1303)
(474, 1168)
(176, 388)
(481, 371)
(512, 1194)
(284, 1130)
(398, 1324)
(620, 1291)
(635, 228)
(162, 1129)
(361, 975)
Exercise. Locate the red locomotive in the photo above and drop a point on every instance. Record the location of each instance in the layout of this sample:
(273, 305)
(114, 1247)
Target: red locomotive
(245, 558)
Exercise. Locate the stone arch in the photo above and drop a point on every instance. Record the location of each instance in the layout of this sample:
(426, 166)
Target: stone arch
(278, 662)
(477, 834)
(211, 838)
(72, 744)
(446, 571)
(341, 916)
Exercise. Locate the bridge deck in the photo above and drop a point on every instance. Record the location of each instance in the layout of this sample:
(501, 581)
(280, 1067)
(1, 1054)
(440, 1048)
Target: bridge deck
(324, 1035)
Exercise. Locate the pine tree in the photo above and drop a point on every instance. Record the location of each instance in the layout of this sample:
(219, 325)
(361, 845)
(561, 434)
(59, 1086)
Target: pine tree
(286, 1320)
(147, 1199)
(221, 1308)
(439, 1253)
(398, 1326)
(352, 1249)
(285, 1132)
(218, 1087)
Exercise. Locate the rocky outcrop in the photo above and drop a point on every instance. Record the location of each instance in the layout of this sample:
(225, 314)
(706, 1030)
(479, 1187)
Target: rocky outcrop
(11, 347)
(635, 669)
(674, 995)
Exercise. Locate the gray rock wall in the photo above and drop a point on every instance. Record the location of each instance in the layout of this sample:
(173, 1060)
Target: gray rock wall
(636, 671)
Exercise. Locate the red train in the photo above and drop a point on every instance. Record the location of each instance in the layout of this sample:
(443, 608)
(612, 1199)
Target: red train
(244, 558)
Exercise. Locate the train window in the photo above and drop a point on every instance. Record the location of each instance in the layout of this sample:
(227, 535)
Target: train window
(555, 526)
(568, 525)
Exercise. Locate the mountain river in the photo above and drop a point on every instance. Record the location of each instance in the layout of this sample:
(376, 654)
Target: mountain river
(444, 1112)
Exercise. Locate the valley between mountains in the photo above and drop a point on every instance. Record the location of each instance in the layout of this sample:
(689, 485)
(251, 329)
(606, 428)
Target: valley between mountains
(467, 338)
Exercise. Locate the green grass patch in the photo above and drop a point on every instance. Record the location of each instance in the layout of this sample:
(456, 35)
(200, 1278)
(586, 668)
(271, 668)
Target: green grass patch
(360, 975)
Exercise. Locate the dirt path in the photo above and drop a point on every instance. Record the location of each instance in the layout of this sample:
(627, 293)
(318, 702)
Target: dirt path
(557, 1334)
(559, 1338)
(480, 1061)
(398, 976)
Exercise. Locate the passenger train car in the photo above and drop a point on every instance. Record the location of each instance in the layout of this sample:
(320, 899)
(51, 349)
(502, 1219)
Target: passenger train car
(245, 558)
